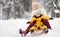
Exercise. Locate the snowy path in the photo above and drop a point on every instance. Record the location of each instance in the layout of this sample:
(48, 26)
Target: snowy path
(9, 28)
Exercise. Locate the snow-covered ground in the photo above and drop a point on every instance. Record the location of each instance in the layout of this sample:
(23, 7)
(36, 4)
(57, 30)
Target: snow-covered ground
(10, 28)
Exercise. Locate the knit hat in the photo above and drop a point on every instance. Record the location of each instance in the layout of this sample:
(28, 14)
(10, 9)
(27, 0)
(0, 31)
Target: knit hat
(37, 12)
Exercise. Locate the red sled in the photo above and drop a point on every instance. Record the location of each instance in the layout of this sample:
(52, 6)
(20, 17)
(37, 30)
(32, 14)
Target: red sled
(46, 22)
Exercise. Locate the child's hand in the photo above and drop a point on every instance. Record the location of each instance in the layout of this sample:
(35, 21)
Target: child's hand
(51, 18)
(28, 22)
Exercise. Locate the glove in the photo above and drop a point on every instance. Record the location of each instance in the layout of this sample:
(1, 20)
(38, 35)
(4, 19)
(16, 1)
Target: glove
(28, 22)
(51, 18)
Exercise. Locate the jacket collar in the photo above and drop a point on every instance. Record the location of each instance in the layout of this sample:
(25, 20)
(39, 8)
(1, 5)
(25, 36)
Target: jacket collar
(37, 17)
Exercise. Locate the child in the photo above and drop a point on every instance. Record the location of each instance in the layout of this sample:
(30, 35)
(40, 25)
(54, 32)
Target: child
(38, 19)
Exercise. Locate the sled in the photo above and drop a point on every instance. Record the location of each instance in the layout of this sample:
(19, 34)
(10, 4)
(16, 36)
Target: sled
(35, 32)
(35, 29)
(43, 30)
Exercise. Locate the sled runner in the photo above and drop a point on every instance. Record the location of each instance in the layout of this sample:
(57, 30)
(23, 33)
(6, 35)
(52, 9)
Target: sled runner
(20, 31)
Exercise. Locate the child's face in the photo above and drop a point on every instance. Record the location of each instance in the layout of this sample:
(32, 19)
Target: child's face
(37, 15)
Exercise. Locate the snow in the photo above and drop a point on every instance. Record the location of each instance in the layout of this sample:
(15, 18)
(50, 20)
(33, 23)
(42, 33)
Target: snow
(56, 11)
(10, 28)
